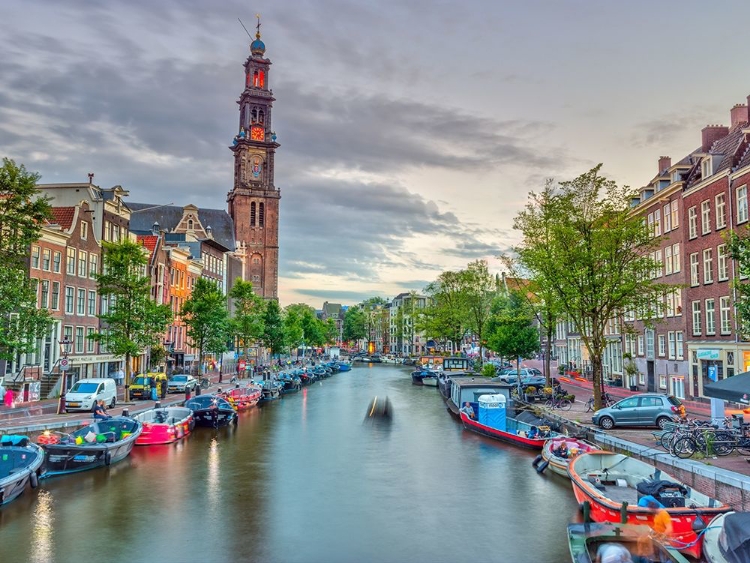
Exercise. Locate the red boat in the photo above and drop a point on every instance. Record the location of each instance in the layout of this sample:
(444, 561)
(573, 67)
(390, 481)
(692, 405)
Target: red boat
(611, 483)
(164, 425)
(516, 432)
(242, 398)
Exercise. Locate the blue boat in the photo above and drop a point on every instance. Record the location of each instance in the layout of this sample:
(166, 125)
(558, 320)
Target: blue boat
(345, 366)
(420, 376)
(20, 464)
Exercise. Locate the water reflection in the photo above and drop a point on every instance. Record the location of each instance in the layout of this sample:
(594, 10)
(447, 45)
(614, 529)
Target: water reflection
(212, 478)
(43, 534)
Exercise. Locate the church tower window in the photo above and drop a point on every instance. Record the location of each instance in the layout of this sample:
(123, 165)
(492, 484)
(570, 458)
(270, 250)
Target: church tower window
(252, 214)
(261, 213)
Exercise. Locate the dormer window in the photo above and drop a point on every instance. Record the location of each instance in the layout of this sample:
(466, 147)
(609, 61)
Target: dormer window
(706, 167)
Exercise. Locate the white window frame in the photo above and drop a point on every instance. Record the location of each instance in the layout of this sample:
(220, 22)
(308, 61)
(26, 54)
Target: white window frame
(657, 223)
(83, 263)
(720, 208)
(725, 308)
(80, 302)
(662, 345)
(91, 310)
(694, 269)
(741, 194)
(676, 258)
(641, 346)
(692, 222)
(675, 215)
(708, 265)
(710, 316)
(671, 338)
(722, 263)
(71, 263)
(705, 217)
(678, 302)
(90, 344)
(667, 219)
(697, 318)
(667, 260)
(70, 305)
(680, 345)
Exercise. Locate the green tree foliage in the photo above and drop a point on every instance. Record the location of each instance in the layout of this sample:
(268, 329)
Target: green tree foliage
(330, 331)
(157, 356)
(273, 328)
(293, 331)
(354, 324)
(478, 288)
(133, 321)
(582, 244)
(22, 214)
(444, 318)
(510, 328)
(250, 309)
(206, 317)
(739, 250)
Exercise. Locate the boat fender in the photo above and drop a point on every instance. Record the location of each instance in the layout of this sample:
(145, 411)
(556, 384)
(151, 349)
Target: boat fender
(234, 420)
(107, 458)
(536, 461)
(34, 480)
(585, 507)
(542, 467)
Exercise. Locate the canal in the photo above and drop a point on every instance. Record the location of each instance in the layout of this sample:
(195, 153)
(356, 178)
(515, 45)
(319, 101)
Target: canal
(304, 480)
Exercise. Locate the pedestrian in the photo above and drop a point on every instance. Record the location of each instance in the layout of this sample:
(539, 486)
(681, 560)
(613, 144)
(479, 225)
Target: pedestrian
(163, 388)
(100, 413)
(8, 397)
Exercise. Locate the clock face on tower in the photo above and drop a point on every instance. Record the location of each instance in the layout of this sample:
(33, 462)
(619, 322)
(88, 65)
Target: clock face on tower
(257, 133)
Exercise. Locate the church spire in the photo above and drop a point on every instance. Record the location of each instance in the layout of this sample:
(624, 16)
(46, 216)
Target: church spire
(257, 47)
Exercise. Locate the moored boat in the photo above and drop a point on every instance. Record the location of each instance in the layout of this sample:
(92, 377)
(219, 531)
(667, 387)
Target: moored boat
(243, 398)
(345, 366)
(430, 380)
(727, 538)
(20, 463)
(585, 540)
(558, 452)
(419, 377)
(164, 425)
(613, 484)
(270, 390)
(211, 411)
(465, 388)
(97, 445)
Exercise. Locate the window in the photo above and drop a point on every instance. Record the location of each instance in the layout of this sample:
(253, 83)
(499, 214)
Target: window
(705, 217)
(670, 304)
(261, 214)
(675, 215)
(706, 167)
(640, 345)
(668, 260)
(252, 214)
(629, 403)
(692, 222)
(82, 262)
(726, 320)
(79, 340)
(55, 305)
(696, 318)
(742, 204)
(35, 256)
(45, 294)
(721, 211)
(81, 304)
(68, 333)
(651, 402)
(678, 301)
(680, 353)
(659, 264)
(90, 344)
(662, 344)
(46, 259)
(708, 268)
(657, 223)
(649, 343)
(667, 219)
(676, 257)
(694, 269)
(723, 267)
(93, 265)
(710, 318)
(71, 263)
(69, 298)
(670, 336)
(56, 258)
(92, 303)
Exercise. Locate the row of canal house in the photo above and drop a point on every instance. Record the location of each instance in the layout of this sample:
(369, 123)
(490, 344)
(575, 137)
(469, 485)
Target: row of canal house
(182, 243)
(689, 205)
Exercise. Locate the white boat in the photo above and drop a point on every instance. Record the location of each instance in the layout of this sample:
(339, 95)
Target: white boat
(20, 462)
(551, 454)
(727, 538)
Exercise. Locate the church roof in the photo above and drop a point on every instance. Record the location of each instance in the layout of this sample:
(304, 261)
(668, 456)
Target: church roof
(169, 216)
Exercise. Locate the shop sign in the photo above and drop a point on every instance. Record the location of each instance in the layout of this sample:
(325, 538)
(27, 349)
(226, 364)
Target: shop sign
(93, 359)
(708, 354)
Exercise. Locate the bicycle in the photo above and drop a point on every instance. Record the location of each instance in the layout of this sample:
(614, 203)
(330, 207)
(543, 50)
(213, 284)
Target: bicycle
(607, 401)
(558, 403)
(205, 382)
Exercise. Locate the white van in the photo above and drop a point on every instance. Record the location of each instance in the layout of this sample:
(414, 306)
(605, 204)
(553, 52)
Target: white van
(86, 392)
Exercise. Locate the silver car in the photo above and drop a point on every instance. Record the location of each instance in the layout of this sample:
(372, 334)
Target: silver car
(646, 409)
(179, 383)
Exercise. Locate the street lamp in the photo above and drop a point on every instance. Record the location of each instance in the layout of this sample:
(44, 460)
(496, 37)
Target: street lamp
(66, 346)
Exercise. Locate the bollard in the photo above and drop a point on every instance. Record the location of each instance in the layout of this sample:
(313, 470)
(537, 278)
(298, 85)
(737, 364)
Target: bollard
(586, 507)
(197, 390)
(157, 405)
(187, 393)
(126, 411)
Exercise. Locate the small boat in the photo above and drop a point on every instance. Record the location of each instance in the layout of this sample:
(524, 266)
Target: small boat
(727, 538)
(557, 458)
(291, 383)
(430, 380)
(164, 425)
(613, 484)
(270, 390)
(211, 411)
(418, 376)
(20, 463)
(345, 366)
(99, 444)
(493, 422)
(584, 541)
(243, 398)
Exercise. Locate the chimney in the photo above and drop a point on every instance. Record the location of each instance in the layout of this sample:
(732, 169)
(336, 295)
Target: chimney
(664, 163)
(712, 133)
(737, 115)
(91, 174)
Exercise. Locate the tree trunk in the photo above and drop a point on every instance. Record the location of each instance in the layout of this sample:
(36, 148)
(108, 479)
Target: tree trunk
(127, 377)
(548, 356)
(597, 379)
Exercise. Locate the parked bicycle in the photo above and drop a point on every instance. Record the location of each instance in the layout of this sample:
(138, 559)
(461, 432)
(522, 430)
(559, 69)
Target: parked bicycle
(559, 402)
(607, 401)
(205, 382)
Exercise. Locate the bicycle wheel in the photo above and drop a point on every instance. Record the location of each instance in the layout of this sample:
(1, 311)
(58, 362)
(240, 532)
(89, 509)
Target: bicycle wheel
(683, 447)
(549, 404)
(205, 383)
(666, 440)
(590, 404)
(565, 405)
(724, 443)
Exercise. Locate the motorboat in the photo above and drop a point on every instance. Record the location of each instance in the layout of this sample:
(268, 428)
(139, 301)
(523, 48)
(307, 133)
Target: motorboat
(212, 411)
(291, 383)
(99, 444)
(727, 538)
(20, 464)
(243, 398)
(558, 452)
(344, 366)
(270, 389)
(164, 425)
(586, 539)
(613, 484)
(424, 376)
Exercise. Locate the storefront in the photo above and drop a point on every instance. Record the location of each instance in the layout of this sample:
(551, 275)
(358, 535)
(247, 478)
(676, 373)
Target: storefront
(92, 365)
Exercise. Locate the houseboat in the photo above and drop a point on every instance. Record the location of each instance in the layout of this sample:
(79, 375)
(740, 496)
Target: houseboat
(466, 388)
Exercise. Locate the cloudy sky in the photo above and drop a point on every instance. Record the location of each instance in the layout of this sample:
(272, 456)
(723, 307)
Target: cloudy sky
(411, 131)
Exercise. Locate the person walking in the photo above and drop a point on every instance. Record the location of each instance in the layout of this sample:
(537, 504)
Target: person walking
(8, 397)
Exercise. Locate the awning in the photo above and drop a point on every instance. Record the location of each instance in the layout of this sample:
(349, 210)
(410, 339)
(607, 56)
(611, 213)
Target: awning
(735, 389)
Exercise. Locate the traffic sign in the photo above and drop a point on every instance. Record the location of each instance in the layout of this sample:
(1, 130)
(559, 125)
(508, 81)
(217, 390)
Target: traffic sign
(64, 364)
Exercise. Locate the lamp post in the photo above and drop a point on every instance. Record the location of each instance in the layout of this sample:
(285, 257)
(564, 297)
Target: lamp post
(65, 347)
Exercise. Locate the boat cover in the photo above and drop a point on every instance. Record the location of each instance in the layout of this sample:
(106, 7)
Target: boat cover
(737, 537)
(654, 488)
(14, 440)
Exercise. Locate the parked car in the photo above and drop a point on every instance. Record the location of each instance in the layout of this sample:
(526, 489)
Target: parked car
(645, 409)
(85, 393)
(511, 375)
(179, 383)
(538, 381)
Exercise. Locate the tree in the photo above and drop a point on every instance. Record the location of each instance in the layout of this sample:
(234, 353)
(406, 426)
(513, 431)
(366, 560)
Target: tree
(157, 356)
(354, 324)
(273, 328)
(444, 318)
(739, 249)
(510, 328)
(206, 317)
(133, 321)
(330, 331)
(22, 214)
(582, 244)
(247, 323)
(478, 288)
(293, 332)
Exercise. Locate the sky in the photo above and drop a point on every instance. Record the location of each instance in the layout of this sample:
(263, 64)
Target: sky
(411, 131)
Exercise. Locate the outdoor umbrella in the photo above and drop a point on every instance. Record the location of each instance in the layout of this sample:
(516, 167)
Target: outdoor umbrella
(735, 389)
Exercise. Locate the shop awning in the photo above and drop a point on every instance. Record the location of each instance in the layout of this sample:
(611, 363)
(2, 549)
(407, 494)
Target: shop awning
(735, 389)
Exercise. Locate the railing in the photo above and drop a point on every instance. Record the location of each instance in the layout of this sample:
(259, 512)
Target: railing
(21, 374)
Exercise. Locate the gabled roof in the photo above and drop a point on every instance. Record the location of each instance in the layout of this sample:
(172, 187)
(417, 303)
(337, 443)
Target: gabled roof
(149, 242)
(64, 216)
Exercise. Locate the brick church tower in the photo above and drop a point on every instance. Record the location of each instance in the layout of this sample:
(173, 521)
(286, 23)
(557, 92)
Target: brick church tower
(254, 200)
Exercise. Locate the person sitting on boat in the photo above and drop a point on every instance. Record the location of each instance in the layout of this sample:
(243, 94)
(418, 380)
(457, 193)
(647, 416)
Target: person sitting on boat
(100, 413)
(468, 410)
(533, 433)
(649, 501)
(561, 450)
(611, 552)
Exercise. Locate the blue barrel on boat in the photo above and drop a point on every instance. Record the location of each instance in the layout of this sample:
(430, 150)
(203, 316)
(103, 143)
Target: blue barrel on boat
(492, 411)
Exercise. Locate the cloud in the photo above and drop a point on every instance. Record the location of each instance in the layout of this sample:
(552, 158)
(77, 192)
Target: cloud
(339, 295)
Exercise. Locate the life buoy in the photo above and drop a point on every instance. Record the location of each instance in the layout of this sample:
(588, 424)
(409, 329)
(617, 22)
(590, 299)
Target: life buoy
(107, 458)
(34, 480)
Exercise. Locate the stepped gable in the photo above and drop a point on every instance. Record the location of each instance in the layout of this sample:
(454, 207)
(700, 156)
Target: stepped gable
(169, 216)
(63, 216)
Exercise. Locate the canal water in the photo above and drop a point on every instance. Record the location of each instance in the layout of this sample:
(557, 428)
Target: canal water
(303, 479)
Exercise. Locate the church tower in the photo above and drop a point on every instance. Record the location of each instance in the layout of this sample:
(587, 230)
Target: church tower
(254, 200)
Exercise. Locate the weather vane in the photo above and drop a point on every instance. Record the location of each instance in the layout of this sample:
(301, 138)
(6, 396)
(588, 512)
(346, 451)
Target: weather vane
(257, 27)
